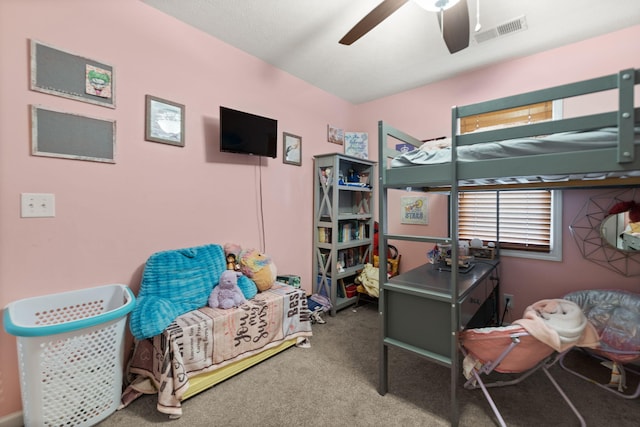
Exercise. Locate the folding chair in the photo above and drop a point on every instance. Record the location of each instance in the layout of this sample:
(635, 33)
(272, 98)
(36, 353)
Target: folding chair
(615, 314)
(508, 350)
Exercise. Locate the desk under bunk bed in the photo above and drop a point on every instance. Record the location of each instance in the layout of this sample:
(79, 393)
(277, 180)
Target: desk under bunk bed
(595, 150)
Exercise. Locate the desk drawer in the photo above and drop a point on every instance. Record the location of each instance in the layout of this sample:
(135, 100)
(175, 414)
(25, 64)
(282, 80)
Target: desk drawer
(472, 303)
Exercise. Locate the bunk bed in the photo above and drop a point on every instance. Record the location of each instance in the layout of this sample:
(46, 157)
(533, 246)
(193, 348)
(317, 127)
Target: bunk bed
(609, 157)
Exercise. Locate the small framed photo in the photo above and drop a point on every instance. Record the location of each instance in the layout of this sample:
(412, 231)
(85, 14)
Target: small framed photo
(335, 135)
(291, 149)
(164, 121)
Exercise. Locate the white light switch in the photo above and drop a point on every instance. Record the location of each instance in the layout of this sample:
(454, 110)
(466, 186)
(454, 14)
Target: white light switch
(38, 205)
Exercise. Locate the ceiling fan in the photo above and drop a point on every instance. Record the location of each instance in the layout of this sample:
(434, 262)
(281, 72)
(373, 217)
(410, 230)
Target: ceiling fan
(453, 17)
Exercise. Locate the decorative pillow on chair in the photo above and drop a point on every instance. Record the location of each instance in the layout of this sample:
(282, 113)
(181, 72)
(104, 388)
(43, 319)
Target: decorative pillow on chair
(392, 264)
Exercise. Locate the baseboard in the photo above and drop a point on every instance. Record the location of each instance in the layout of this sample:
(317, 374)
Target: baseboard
(12, 420)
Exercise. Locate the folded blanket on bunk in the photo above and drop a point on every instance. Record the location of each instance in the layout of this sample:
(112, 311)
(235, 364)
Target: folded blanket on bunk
(559, 323)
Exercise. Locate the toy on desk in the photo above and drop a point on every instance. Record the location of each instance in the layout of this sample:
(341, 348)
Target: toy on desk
(440, 256)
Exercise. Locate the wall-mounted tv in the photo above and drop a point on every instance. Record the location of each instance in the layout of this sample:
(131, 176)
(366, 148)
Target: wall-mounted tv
(247, 133)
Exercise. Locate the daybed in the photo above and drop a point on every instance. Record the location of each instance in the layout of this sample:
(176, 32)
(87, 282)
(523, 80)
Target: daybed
(178, 357)
(590, 163)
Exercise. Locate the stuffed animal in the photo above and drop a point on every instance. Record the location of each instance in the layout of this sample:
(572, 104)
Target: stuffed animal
(258, 267)
(232, 253)
(227, 293)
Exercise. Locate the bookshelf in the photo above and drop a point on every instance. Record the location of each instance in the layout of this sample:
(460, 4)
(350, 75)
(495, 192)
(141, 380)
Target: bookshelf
(343, 224)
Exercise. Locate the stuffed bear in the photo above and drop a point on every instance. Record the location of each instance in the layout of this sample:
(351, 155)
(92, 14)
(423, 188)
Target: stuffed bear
(259, 268)
(227, 293)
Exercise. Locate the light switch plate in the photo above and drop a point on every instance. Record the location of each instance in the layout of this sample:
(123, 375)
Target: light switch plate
(38, 205)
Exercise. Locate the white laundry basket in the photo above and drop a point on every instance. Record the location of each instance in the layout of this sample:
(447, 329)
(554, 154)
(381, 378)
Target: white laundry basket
(70, 354)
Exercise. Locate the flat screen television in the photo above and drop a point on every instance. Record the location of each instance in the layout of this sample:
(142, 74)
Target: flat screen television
(247, 133)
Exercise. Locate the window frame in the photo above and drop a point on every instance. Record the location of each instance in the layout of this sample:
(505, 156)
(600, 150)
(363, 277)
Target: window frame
(555, 228)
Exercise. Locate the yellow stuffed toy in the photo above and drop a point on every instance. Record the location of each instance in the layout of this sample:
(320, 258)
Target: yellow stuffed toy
(259, 268)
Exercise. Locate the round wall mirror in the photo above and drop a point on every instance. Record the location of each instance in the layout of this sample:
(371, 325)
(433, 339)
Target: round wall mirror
(606, 234)
(614, 230)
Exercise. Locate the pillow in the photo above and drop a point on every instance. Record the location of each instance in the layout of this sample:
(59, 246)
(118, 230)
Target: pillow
(392, 264)
(436, 144)
(247, 286)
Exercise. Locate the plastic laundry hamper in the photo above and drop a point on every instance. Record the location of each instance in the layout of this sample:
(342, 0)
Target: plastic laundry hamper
(70, 354)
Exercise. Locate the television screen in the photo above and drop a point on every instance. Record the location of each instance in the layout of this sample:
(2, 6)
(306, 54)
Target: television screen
(247, 133)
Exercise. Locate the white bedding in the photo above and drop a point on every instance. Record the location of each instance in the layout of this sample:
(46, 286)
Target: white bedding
(556, 143)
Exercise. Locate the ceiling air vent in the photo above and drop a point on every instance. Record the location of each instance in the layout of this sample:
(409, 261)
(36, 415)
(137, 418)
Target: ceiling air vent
(513, 26)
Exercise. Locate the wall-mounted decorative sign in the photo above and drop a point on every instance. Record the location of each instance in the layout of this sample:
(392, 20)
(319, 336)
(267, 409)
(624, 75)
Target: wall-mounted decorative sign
(60, 73)
(356, 144)
(164, 121)
(414, 210)
(72, 136)
(291, 149)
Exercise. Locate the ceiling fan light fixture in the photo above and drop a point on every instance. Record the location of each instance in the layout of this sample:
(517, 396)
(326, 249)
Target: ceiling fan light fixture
(436, 5)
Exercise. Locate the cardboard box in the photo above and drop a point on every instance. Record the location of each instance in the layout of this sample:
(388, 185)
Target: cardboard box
(289, 279)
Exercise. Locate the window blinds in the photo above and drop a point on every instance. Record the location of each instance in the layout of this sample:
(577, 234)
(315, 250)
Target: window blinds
(525, 218)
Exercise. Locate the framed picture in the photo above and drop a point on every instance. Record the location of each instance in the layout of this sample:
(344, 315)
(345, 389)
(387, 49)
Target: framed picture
(335, 135)
(65, 74)
(164, 121)
(356, 144)
(413, 210)
(291, 149)
(72, 136)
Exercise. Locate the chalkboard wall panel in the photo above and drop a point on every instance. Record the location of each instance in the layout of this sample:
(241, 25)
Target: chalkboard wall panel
(64, 74)
(72, 136)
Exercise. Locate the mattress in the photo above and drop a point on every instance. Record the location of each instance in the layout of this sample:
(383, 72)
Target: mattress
(556, 143)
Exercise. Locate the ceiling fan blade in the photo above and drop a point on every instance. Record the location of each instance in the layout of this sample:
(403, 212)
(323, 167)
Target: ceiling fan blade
(454, 23)
(371, 20)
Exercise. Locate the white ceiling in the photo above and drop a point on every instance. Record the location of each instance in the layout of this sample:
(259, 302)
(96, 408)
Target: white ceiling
(405, 51)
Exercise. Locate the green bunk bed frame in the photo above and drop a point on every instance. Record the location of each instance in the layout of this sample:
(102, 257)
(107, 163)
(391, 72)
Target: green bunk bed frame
(454, 176)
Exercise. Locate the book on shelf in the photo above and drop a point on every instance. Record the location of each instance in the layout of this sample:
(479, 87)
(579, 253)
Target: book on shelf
(324, 235)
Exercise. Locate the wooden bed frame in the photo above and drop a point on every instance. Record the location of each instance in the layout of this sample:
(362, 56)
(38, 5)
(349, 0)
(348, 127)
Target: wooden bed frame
(622, 159)
(202, 382)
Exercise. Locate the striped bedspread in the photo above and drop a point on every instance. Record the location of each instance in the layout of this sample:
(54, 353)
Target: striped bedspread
(207, 339)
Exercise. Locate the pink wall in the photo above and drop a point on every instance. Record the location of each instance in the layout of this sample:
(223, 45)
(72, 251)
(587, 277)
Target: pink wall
(110, 218)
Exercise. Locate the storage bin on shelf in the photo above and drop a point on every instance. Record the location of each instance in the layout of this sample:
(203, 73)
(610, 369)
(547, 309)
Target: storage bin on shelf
(70, 354)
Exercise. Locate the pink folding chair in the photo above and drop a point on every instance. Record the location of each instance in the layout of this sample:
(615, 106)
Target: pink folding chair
(507, 350)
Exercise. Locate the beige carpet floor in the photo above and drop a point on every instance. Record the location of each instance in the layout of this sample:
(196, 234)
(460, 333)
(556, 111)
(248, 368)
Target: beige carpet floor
(334, 383)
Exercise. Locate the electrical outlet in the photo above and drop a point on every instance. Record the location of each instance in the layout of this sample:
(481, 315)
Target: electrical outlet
(37, 205)
(508, 301)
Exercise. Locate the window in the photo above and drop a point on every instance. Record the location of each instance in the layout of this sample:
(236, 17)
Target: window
(530, 221)
(530, 224)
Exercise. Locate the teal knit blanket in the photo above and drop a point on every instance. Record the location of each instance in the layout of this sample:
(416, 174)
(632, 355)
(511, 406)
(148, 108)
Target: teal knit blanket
(175, 282)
